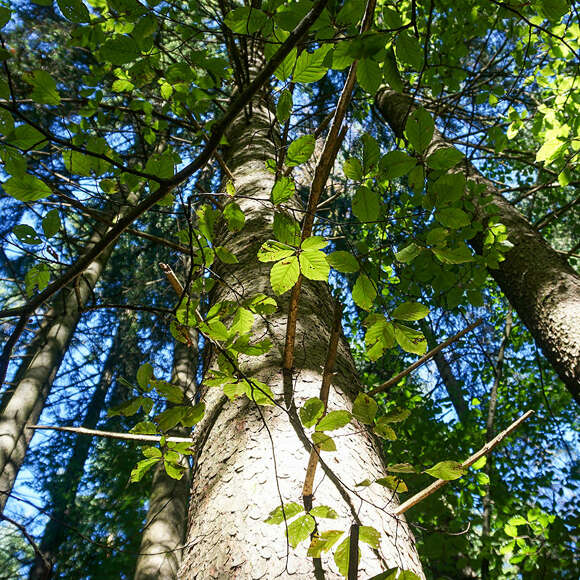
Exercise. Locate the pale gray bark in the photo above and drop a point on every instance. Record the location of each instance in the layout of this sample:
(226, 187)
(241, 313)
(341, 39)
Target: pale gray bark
(539, 283)
(250, 455)
(29, 395)
(162, 541)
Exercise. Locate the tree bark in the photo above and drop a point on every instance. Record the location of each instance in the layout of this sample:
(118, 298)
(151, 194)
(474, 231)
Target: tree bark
(161, 548)
(251, 456)
(541, 286)
(27, 400)
(66, 491)
(452, 385)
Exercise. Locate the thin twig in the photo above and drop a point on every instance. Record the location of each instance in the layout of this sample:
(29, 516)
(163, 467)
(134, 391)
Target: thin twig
(113, 434)
(424, 358)
(439, 483)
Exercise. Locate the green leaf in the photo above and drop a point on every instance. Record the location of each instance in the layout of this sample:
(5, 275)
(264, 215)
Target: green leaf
(225, 256)
(193, 415)
(313, 265)
(385, 431)
(26, 137)
(234, 216)
(379, 336)
(341, 556)
(120, 50)
(311, 411)
(310, 66)
(459, 255)
(283, 190)
(284, 106)
(366, 204)
(370, 536)
(51, 223)
(364, 292)
(5, 15)
(6, 122)
(145, 374)
(391, 72)
(410, 311)
(26, 188)
(323, 511)
(324, 441)
(353, 169)
(479, 463)
(402, 468)
(300, 150)
(553, 10)
(286, 229)
(243, 321)
(259, 392)
(285, 69)
(395, 416)
(246, 20)
(277, 516)
(510, 530)
(371, 153)
(37, 277)
(444, 159)
(394, 483)
(314, 243)
(300, 529)
(284, 274)
(44, 87)
(343, 262)
(174, 470)
(272, 251)
(142, 468)
(408, 253)
(172, 393)
(147, 428)
(452, 217)
(396, 164)
(74, 10)
(26, 234)
(334, 420)
(419, 129)
(447, 470)
(365, 408)
(368, 75)
(409, 50)
(168, 419)
(482, 478)
(410, 340)
(323, 542)
(517, 521)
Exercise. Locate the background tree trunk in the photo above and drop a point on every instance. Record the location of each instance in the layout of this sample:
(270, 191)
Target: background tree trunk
(67, 487)
(161, 545)
(251, 456)
(539, 283)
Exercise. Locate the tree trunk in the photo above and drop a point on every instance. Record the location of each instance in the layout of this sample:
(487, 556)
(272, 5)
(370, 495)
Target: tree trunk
(452, 385)
(250, 456)
(65, 492)
(539, 283)
(27, 400)
(161, 545)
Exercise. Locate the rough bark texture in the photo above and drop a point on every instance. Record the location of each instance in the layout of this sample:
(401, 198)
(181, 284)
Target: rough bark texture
(162, 542)
(252, 455)
(539, 283)
(452, 385)
(28, 397)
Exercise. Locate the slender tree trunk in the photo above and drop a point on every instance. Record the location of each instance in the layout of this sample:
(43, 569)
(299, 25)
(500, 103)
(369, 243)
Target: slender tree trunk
(539, 283)
(489, 435)
(162, 542)
(65, 493)
(452, 385)
(250, 458)
(28, 398)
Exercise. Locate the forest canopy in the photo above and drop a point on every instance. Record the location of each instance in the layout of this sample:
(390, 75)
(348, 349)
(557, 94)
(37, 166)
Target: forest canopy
(289, 288)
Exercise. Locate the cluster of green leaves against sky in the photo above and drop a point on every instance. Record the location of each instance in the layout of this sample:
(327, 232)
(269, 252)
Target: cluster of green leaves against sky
(155, 79)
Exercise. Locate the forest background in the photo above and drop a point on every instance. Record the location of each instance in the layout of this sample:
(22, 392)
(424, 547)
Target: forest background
(418, 165)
